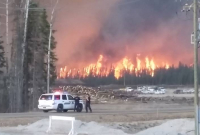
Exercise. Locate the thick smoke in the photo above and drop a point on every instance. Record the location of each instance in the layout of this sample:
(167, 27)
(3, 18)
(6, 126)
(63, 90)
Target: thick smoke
(79, 22)
(154, 28)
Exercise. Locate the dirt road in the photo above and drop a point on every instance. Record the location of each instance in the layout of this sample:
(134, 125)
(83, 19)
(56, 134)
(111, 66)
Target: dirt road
(113, 109)
(107, 113)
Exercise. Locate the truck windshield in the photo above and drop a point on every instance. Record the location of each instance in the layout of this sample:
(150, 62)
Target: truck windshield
(46, 97)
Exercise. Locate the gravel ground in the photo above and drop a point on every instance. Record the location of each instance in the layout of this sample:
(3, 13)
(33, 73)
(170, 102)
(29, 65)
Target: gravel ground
(169, 127)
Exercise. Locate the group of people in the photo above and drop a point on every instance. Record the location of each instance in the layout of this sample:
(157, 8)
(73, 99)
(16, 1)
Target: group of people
(87, 103)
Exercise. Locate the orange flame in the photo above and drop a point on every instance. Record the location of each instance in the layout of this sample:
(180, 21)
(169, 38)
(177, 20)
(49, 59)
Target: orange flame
(119, 68)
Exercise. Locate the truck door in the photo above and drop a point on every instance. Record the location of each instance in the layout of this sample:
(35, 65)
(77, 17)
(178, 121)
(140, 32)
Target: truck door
(66, 103)
(71, 100)
(57, 99)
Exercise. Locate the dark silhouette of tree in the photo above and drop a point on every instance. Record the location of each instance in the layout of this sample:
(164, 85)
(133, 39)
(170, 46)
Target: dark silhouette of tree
(180, 75)
(2, 56)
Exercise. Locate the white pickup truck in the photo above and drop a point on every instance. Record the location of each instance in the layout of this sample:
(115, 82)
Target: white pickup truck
(61, 102)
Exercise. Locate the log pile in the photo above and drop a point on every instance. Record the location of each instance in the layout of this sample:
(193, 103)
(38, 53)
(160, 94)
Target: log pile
(99, 94)
(106, 95)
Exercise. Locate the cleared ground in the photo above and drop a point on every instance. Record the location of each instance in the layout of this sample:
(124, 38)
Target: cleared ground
(130, 115)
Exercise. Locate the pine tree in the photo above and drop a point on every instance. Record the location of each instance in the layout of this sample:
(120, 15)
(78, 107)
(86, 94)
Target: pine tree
(35, 63)
(38, 29)
(2, 56)
(45, 29)
(3, 88)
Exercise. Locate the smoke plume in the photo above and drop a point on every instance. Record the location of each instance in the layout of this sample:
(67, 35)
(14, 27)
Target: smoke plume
(119, 28)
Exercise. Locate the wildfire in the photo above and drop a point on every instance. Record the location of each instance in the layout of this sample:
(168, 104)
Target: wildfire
(100, 69)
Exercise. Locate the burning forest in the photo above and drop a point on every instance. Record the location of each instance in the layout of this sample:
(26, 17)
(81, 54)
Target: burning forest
(124, 37)
(102, 68)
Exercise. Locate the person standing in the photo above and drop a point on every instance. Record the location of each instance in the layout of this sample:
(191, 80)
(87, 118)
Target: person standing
(76, 103)
(88, 103)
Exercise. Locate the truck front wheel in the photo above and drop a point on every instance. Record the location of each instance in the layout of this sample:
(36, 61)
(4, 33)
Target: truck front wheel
(60, 108)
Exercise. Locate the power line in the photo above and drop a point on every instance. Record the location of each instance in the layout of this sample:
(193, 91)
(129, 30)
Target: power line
(64, 7)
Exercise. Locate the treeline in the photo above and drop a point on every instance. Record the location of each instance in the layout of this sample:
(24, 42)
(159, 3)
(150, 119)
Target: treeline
(26, 77)
(181, 75)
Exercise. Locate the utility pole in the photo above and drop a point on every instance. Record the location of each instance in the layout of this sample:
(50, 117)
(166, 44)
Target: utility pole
(196, 97)
(186, 8)
(49, 46)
